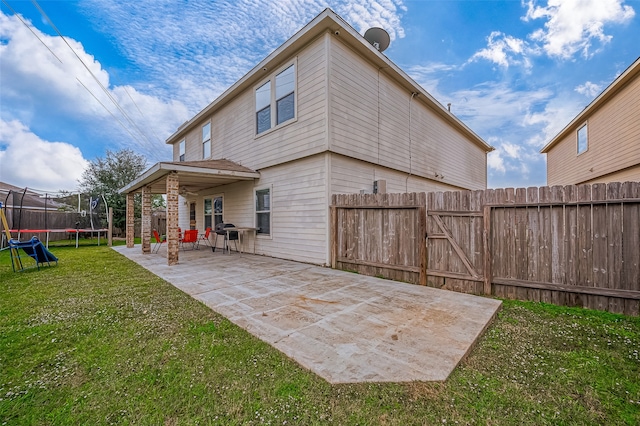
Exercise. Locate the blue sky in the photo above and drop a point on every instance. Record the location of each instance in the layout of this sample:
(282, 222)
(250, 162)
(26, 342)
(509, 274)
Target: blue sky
(127, 74)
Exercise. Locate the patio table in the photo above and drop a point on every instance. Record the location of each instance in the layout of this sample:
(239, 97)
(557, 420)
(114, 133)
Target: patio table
(241, 236)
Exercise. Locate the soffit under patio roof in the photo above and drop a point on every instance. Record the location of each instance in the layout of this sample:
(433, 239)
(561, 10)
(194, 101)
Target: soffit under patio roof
(193, 176)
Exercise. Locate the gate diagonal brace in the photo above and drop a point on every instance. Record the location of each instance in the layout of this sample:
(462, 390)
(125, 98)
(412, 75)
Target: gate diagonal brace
(456, 247)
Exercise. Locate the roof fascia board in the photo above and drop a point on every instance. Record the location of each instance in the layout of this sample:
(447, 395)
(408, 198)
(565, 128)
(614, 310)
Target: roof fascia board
(621, 81)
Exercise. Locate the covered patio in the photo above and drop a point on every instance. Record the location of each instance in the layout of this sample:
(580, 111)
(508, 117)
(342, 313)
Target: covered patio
(171, 178)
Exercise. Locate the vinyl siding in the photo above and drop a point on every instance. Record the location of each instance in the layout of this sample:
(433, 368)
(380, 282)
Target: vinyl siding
(614, 142)
(233, 126)
(349, 176)
(299, 210)
(373, 119)
(632, 174)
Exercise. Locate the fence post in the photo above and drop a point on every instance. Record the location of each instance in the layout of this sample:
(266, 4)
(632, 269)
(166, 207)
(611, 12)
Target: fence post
(110, 231)
(486, 243)
(334, 234)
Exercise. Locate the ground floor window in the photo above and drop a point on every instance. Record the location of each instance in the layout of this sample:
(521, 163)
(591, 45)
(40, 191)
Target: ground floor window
(192, 216)
(212, 212)
(263, 211)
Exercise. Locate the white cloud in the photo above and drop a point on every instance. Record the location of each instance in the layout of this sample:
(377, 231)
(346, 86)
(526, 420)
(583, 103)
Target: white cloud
(589, 89)
(29, 161)
(571, 26)
(504, 50)
(495, 161)
(512, 150)
(216, 43)
(363, 15)
(489, 107)
(576, 25)
(549, 121)
(37, 84)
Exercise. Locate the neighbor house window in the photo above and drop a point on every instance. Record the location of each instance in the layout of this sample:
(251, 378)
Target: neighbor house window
(263, 211)
(182, 151)
(277, 95)
(206, 141)
(583, 140)
(212, 212)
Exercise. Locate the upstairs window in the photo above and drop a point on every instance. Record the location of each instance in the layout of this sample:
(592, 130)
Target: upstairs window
(206, 141)
(285, 94)
(275, 100)
(182, 151)
(583, 140)
(263, 107)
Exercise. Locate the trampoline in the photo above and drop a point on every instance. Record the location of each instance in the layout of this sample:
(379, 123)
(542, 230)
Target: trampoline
(47, 215)
(69, 231)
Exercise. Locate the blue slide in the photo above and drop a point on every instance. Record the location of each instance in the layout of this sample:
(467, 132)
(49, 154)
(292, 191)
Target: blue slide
(35, 249)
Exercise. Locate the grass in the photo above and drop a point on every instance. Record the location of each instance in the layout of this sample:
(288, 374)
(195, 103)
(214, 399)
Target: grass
(99, 340)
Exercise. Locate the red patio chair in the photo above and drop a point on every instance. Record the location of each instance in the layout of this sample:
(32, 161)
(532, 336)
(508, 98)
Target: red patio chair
(190, 237)
(159, 241)
(205, 237)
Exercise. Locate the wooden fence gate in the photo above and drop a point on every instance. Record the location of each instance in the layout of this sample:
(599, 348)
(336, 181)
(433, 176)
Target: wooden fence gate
(380, 235)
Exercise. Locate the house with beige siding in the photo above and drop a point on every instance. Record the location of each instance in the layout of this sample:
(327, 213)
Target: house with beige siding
(325, 113)
(602, 143)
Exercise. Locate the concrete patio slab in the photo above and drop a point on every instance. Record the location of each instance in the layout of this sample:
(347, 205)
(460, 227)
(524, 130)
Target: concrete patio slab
(344, 327)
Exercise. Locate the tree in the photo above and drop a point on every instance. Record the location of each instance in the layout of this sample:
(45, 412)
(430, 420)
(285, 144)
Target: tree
(109, 174)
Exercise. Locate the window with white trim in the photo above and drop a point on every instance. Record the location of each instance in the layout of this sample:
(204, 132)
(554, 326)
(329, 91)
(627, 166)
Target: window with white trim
(206, 141)
(212, 211)
(217, 210)
(263, 211)
(182, 150)
(275, 100)
(583, 139)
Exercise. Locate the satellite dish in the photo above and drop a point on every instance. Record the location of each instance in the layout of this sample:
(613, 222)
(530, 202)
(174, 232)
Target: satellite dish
(378, 38)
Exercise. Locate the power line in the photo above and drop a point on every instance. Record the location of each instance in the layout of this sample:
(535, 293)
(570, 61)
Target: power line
(124, 86)
(30, 29)
(104, 89)
(148, 146)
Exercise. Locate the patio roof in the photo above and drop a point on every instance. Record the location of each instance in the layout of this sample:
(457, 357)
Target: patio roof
(194, 175)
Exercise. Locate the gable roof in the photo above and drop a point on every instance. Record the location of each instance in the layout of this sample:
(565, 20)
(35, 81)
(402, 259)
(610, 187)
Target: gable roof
(328, 21)
(607, 94)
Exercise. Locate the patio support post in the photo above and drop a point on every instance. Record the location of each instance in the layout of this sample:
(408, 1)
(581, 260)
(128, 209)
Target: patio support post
(130, 220)
(146, 220)
(172, 218)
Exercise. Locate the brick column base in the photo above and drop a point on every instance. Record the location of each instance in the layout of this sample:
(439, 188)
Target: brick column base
(172, 218)
(146, 220)
(131, 218)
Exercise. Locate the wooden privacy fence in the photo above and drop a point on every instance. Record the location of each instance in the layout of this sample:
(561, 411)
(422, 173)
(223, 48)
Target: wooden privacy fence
(567, 245)
(571, 245)
(380, 235)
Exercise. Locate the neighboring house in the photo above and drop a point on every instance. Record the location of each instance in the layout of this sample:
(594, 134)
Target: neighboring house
(325, 113)
(602, 144)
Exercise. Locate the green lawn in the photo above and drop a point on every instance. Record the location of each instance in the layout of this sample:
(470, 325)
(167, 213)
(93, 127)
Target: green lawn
(99, 340)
